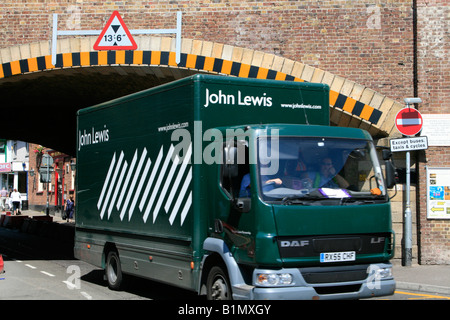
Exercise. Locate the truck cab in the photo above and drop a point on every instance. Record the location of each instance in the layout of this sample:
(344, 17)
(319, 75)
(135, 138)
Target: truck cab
(304, 213)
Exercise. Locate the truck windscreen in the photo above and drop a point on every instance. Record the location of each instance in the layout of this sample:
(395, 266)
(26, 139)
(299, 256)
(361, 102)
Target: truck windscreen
(319, 168)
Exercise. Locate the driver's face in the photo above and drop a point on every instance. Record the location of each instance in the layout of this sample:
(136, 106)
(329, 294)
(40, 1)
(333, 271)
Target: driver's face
(326, 167)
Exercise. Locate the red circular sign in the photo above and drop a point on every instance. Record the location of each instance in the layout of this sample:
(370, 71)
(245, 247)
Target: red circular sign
(409, 121)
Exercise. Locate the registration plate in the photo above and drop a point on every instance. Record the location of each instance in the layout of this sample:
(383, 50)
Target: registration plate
(337, 256)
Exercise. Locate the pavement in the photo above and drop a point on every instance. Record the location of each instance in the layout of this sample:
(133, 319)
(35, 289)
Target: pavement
(423, 278)
(431, 279)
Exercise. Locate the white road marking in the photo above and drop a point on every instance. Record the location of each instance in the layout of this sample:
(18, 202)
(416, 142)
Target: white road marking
(86, 295)
(70, 285)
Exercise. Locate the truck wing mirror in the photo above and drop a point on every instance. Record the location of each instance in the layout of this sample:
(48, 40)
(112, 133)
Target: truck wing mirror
(390, 174)
(387, 154)
(390, 170)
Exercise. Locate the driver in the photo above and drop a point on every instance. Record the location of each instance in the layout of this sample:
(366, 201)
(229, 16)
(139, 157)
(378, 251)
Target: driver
(295, 177)
(327, 177)
(245, 185)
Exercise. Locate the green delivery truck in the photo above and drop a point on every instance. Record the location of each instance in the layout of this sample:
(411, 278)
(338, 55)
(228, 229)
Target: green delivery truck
(234, 188)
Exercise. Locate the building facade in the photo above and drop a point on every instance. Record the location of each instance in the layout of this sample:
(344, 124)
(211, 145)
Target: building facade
(62, 180)
(14, 163)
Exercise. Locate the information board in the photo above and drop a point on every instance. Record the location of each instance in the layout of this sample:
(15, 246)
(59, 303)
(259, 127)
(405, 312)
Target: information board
(437, 128)
(438, 193)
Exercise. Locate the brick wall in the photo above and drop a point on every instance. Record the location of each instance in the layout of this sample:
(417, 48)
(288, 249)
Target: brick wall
(369, 42)
(433, 70)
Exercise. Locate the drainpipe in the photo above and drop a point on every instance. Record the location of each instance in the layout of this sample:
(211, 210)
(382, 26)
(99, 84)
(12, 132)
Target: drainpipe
(415, 76)
(418, 155)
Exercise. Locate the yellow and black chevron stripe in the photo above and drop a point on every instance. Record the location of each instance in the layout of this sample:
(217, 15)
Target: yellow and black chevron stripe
(355, 107)
(191, 61)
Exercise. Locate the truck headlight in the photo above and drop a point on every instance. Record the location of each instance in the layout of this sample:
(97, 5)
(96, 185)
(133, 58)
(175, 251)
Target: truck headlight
(384, 273)
(274, 279)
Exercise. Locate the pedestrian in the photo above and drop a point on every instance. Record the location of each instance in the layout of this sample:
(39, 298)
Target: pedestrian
(70, 206)
(16, 199)
(3, 198)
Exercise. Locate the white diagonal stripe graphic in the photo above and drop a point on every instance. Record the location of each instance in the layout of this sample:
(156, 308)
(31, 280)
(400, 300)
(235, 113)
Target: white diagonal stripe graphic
(178, 179)
(180, 197)
(111, 185)
(138, 191)
(186, 208)
(118, 187)
(133, 183)
(111, 166)
(152, 177)
(167, 183)
(127, 180)
(157, 184)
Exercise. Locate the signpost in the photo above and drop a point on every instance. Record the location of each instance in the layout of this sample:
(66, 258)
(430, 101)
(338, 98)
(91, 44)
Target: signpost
(409, 122)
(115, 35)
(409, 144)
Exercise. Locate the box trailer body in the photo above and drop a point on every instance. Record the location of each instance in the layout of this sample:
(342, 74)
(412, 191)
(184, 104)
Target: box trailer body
(160, 175)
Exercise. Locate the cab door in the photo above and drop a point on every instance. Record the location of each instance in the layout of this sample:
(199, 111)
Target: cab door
(235, 221)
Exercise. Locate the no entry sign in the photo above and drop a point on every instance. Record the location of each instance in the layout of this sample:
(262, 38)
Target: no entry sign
(409, 121)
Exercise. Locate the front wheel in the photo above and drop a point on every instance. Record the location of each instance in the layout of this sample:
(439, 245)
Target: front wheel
(113, 271)
(218, 285)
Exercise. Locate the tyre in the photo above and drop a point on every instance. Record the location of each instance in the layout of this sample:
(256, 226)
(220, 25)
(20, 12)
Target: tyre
(217, 285)
(113, 271)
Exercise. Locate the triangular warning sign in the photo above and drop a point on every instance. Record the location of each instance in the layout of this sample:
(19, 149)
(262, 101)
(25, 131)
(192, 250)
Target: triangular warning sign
(115, 35)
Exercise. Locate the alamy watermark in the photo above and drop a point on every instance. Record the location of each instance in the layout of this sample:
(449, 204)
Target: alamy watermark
(73, 281)
(212, 146)
(374, 277)
(74, 20)
(374, 20)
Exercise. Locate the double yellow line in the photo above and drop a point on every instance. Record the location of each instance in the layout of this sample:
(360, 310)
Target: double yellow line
(422, 295)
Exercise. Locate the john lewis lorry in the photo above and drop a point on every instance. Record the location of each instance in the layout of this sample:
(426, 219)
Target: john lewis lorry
(234, 188)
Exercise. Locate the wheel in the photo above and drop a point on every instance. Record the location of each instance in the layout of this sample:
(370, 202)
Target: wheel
(113, 271)
(218, 285)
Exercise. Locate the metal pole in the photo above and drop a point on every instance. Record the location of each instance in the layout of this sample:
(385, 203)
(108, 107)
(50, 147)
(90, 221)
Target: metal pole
(47, 210)
(407, 255)
(178, 38)
(54, 38)
(407, 219)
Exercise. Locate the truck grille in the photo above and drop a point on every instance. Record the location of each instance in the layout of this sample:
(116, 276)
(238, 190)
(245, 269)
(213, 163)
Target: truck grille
(313, 246)
(338, 289)
(315, 276)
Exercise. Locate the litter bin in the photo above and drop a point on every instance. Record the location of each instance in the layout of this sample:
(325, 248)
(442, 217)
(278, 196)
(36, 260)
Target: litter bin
(24, 205)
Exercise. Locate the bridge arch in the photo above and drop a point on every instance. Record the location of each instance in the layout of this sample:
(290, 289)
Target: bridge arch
(352, 105)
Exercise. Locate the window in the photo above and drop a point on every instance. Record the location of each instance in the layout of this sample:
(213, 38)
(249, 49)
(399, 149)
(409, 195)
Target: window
(235, 169)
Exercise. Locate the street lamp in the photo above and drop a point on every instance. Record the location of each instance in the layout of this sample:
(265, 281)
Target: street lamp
(73, 165)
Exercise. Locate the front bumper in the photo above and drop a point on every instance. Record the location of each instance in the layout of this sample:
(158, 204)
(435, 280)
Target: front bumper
(318, 289)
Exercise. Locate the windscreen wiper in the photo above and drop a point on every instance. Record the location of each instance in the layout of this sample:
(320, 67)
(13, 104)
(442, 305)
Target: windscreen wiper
(300, 199)
(288, 200)
(359, 200)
